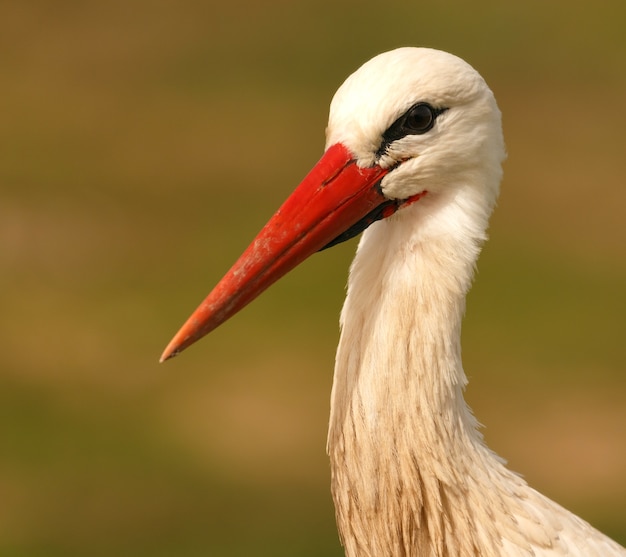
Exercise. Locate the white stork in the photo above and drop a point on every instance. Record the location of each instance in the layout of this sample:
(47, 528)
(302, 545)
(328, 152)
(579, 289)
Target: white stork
(413, 154)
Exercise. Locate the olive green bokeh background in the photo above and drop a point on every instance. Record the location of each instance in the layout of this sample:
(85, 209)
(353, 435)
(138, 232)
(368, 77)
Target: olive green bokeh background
(143, 144)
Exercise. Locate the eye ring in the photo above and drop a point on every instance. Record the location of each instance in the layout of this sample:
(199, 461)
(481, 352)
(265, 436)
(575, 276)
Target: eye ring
(417, 120)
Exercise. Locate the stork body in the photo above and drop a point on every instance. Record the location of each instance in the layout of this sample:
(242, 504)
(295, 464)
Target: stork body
(414, 153)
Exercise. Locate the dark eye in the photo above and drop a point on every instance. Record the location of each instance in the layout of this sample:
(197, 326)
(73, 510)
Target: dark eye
(419, 119)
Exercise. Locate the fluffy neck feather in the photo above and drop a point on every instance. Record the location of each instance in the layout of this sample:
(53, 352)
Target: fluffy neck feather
(411, 475)
(402, 439)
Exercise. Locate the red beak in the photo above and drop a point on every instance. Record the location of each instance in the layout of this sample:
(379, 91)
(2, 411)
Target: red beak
(335, 201)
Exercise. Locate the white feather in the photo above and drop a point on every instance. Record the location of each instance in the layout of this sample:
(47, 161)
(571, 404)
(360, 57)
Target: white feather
(411, 475)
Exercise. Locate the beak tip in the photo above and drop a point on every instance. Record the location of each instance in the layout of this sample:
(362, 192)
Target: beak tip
(164, 357)
(172, 350)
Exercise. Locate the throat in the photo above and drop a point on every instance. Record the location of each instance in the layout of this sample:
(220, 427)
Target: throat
(402, 440)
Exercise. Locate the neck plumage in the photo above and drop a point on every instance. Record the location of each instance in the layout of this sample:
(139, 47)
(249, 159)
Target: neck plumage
(402, 441)
(411, 475)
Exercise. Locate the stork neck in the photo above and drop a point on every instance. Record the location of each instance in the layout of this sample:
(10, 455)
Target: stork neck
(399, 426)
(401, 325)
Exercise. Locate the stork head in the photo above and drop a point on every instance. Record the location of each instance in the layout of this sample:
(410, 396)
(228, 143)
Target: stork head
(409, 124)
(425, 115)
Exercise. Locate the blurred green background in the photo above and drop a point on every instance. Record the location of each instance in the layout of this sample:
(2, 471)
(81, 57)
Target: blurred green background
(143, 144)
